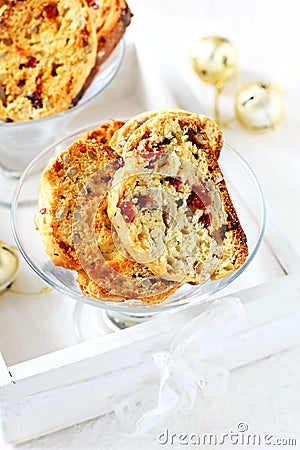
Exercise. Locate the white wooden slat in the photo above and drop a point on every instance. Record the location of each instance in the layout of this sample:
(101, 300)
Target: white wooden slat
(62, 405)
(4, 372)
(112, 353)
(273, 300)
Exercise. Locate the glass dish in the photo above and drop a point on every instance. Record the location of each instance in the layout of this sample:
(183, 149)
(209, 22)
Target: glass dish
(245, 192)
(20, 142)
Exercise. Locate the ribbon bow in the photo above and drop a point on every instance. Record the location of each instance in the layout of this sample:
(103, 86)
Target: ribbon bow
(184, 369)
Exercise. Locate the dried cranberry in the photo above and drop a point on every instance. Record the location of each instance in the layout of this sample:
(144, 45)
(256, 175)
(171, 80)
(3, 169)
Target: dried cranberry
(54, 68)
(118, 163)
(21, 83)
(51, 11)
(206, 219)
(176, 182)
(93, 4)
(83, 38)
(58, 165)
(127, 210)
(197, 139)
(144, 200)
(36, 99)
(150, 151)
(30, 63)
(43, 211)
(199, 198)
(223, 231)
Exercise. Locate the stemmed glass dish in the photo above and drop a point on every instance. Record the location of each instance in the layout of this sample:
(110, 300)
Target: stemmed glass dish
(245, 192)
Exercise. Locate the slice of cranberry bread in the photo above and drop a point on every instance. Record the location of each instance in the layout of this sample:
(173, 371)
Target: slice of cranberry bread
(60, 185)
(48, 49)
(178, 147)
(73, 222)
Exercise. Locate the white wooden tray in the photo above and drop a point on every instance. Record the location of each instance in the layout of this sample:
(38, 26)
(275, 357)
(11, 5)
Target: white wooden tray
(48, 379)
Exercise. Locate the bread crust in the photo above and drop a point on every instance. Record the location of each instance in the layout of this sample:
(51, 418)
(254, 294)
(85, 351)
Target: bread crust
(111, 17)
(47, 50)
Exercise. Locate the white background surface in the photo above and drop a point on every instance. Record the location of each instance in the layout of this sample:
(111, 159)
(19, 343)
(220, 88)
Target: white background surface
(266, 34)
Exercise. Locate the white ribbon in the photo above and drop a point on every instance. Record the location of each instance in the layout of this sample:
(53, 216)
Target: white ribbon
(183, 370)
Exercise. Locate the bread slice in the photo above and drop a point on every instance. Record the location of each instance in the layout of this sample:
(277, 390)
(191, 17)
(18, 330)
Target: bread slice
(211, 129)
(109, 272)
(60, 184)
(47, 50)
(72, 196)
(111, 17)
(180, 138)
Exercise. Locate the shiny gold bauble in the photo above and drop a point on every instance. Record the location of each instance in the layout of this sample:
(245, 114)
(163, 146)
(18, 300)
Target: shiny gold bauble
(259, 106)
(214, 59)
(9, 267)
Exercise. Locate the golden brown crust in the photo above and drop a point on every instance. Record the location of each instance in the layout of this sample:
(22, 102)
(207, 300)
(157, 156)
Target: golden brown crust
(111, 17)
(48, 49)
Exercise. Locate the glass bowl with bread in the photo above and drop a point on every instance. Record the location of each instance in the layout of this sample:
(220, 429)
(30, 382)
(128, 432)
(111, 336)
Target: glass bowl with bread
(55, 58)
(140, 217)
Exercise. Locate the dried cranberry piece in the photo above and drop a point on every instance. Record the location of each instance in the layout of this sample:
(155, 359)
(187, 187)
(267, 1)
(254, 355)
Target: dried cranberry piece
(127, 210)
(43, 211)
(30, 63)
(36, 99)
(176, 182)
(51, 11)
(150, 151)
(83, 37)
(206, 219)
(144, 200)
(199, 197)
(21, 83)
(118, 163)
(58, 165)
(223, 231)
(197, 139)
(93, 4)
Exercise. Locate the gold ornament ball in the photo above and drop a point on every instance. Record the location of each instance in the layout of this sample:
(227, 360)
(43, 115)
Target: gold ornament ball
(259, 106)
(9, 267)
(214, 59)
